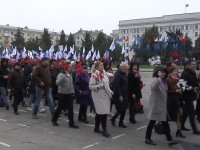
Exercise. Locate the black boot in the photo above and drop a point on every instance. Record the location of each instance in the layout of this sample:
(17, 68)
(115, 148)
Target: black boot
(179, 134)
(54, 121)
(105, 134)
(184, 128)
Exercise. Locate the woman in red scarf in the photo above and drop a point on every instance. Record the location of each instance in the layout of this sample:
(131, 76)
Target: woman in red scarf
(174, 99)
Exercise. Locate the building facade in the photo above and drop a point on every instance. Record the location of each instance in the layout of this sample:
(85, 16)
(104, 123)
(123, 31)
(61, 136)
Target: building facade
(79, 36)
(188, 23)
(7, 34)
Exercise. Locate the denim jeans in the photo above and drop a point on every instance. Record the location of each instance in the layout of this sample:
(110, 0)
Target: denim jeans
(39, 95)
(3, 96)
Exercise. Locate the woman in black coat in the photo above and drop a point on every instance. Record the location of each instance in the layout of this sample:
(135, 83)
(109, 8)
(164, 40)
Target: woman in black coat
(83, 93)
(174, 99)
(134, 88)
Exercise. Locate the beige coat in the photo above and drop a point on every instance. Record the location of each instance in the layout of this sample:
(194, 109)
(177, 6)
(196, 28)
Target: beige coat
(101, 93)
(158, 101)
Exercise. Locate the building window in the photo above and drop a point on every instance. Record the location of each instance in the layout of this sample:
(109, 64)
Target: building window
(196, 26)
(11, 33)
(196, 34)
(134, 30)
(78, 37)
(186, 27)
(27, 34)
(186, 34)
(138, 30)
(0, 37)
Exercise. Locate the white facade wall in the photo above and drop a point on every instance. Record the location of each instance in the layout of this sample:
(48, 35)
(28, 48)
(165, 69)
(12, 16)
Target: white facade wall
(188, 23)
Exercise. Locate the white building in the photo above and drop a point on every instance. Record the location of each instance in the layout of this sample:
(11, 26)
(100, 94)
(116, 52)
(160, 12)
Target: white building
(79, 36)
(7, 34)
(188, 23)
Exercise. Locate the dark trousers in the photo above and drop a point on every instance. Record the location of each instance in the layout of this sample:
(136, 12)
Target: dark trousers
(101, 119)
(122, 113)
(65, 103)
(165, 126)
(18, 97)
(198, 110)
(188, 110)
(132, 110)
(82, 112)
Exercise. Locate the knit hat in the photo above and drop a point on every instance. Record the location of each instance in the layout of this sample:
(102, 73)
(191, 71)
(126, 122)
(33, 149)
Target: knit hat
(160, 68)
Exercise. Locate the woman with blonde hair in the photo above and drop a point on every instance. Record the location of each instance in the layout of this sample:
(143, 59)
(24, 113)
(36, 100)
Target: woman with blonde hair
(101, 94)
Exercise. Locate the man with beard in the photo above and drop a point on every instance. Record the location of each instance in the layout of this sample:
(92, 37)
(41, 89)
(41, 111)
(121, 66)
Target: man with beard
(16, 82)
(43, 86)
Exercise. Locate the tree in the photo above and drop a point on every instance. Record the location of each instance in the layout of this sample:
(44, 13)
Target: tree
(62, 40)
(184, 43)
(197, 44)
(87, 42)
(149, 37)
(101, 43)
(19, 40)
(70, 41)
(45, 40)
(32, 44)
(196, 52)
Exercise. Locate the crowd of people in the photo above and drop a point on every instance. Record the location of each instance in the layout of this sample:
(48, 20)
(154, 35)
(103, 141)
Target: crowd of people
(61, 82)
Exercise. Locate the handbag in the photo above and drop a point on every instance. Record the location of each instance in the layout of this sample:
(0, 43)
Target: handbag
(83, 93)
(159, 128)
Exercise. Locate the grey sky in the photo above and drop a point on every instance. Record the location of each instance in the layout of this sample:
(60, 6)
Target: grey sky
(71, 15)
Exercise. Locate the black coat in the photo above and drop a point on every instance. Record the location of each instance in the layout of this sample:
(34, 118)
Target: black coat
(134, 84)
(4, 71)
(173, 102)
(192, 81)
(120, 88)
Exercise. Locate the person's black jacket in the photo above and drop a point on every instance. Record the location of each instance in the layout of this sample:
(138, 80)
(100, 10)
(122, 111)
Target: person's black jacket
(134, 85)
(192, 81)
(4, 71)
(120, 88)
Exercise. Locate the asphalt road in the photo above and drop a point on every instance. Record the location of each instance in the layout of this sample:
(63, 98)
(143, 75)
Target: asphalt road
(24, 133)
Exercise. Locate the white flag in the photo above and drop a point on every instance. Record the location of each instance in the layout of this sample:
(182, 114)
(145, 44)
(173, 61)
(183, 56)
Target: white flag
(65, 49)
(24, 53)
(94, 56)
(40, 49)
(88, 55)
(98, 55)
(92, 48)
(123, 49)
(112, 46)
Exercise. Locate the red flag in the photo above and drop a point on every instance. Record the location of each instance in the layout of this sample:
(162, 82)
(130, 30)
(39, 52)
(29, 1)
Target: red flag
(182, 38)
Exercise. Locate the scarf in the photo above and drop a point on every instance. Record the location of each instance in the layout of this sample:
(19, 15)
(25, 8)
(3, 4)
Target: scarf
(174, 80)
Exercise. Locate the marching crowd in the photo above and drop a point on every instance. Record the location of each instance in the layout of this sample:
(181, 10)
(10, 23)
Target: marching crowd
(60, 82)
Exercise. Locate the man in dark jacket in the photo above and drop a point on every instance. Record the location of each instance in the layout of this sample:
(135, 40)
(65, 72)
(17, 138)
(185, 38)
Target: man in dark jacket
(43, 86)
(4, 71)
(120, 87)
(189, 96)
(16, 82)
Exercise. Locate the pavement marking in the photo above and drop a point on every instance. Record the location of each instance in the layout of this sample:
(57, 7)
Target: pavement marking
(118, 136)
(91, 145)
(91, 125)
(51, 132)
(23, 125)
(141, 128)
(3, 120)
(23, 111)
(4, 144)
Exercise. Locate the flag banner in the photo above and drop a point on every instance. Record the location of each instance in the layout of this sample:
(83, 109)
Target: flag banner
(88, 55)
(112, 46)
